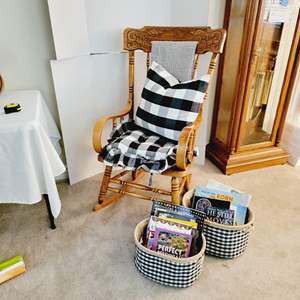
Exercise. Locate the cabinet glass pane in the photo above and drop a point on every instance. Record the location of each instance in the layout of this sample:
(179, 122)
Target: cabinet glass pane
(259, 85)
(231, 64)
(268, 64)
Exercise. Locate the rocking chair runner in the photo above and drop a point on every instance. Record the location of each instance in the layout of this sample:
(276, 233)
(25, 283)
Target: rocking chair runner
(209, 40)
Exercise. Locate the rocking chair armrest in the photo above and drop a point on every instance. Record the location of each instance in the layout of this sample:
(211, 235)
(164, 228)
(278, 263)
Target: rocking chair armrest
(184, 145)
(99, 126)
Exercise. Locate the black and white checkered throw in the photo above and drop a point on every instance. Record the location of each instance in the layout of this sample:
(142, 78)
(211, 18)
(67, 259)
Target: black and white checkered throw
(131, 146)
(167, 105)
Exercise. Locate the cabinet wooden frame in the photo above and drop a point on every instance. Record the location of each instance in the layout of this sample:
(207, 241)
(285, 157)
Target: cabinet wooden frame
(231, 156)
(1, 83)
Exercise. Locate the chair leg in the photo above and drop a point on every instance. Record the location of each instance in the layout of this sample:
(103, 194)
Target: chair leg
(51, 218)
(175, 190)
(187, 185)
(104, 184)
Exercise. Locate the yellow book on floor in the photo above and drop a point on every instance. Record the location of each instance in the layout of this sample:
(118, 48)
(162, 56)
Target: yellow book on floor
(11, 268)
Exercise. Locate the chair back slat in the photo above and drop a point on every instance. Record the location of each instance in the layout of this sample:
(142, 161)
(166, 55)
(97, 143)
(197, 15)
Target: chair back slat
(195, 66)
(131, 82)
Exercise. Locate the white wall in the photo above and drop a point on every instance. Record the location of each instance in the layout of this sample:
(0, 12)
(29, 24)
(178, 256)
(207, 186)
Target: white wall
(190, 12)
(76, 79)
(91, 86)
(98, 88)
(69, 27)
(107, 19)
(26, 46)
(201, 13)
(291, 133)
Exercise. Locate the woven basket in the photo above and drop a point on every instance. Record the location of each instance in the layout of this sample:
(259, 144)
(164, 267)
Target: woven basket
(164, 269)
(225, 241)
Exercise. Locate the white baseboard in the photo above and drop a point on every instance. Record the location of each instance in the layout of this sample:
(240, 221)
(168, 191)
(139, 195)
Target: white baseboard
(62, 177)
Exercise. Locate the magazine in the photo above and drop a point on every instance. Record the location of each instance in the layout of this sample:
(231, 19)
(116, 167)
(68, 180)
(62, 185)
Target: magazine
(156, 222)
(167, 210)
(192, 224)
(178, 220)
(172, 243)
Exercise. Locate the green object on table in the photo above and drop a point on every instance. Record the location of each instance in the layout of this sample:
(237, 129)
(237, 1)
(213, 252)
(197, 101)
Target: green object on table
(12, 107)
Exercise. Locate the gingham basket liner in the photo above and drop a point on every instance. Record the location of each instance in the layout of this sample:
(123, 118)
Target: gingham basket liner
(167, 270)
(225, 241)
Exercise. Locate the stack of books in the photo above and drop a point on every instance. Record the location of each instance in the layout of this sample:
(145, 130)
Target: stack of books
(221, 204)
(174, 230)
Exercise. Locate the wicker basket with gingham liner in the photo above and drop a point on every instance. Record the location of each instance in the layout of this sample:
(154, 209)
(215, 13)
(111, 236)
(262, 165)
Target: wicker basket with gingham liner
(165, 269)
(225, 241)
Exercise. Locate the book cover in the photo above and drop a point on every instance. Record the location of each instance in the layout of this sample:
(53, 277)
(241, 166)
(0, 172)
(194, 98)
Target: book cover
(156, 222)
(192, 224)
(222, 216)
(240, 198)
(230, 200)
(172, 243)
(239, 203)
(240, 214)
(205, 197)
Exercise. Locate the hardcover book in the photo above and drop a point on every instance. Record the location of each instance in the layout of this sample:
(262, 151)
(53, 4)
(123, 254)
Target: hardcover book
(215, 198)
(221, 205)
(215, 204)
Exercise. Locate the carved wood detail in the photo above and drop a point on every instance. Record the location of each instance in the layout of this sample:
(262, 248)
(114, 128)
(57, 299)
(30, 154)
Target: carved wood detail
(208, 39)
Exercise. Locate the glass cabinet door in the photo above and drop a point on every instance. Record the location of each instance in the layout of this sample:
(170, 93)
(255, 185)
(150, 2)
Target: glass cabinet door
(231, 65)
(268, 63)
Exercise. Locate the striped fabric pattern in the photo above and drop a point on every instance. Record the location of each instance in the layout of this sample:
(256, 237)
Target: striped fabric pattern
(167, 105)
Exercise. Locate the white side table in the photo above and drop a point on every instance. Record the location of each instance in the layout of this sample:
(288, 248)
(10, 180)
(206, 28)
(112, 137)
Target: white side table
(29, 147)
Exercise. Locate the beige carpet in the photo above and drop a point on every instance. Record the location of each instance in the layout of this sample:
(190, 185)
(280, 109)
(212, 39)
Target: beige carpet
(90, 255)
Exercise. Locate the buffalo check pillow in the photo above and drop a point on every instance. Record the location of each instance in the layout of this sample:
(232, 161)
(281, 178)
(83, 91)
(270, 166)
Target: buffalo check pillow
(167, 105)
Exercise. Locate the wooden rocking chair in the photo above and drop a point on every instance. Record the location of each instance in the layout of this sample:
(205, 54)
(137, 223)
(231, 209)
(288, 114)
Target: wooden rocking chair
(209, 40)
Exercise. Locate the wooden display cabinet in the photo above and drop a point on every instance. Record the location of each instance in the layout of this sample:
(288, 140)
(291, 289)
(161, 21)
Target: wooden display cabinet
(253, 82)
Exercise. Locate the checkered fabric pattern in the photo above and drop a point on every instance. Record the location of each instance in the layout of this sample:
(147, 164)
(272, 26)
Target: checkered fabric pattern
(167, 105)
(166, 271)
(131, 146)
(225, 243)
